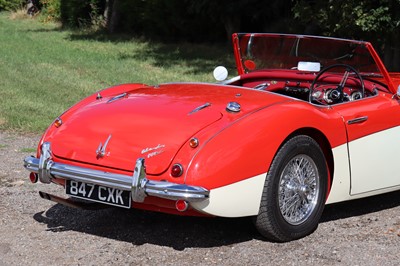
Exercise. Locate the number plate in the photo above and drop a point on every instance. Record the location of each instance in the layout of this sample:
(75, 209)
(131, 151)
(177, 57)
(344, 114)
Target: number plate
(106, 195)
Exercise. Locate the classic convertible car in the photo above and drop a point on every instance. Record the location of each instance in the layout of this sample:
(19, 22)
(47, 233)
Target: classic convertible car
(308, 121)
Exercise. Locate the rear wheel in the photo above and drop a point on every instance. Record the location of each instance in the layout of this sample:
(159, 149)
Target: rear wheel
(294, 192)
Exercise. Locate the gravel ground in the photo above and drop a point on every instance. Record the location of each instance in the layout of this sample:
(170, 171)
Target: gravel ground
(34, 231)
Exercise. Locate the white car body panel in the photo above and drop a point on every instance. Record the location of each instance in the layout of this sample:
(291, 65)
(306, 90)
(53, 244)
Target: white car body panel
(235, 200)
(340, 189)
(373, 161)
(360, 175)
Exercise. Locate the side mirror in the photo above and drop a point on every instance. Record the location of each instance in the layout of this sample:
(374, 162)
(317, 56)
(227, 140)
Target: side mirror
(220, 73)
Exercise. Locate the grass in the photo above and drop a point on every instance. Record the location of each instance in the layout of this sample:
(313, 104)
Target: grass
(28, 150)
(44, 70)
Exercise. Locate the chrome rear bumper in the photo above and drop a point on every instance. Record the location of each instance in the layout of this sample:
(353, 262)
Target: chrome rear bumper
(138, 184)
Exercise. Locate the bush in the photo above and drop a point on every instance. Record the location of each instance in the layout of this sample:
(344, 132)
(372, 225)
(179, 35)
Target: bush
(51, 10)
(78, 13)
(170, 20)
(11, 5)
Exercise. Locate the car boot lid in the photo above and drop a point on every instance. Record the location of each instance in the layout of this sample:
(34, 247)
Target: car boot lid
(152, 123)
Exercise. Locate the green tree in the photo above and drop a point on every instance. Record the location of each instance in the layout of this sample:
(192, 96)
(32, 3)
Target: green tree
(376, 21)
(11, 5)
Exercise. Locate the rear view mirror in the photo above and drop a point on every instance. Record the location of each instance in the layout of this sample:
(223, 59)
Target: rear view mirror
(309, 66)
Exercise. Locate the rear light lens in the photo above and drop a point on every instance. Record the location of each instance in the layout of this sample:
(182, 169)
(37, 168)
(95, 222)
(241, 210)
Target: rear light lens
(181, 205)
(177, 170)
(194, 143)
(58, 122)
(33, 177)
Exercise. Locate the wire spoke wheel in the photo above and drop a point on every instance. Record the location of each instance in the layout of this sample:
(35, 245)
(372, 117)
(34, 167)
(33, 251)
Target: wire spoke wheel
(298, 189)
(294, 191)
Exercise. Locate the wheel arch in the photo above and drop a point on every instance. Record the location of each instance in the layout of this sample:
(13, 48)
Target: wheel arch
(323, 143)
(297, 172)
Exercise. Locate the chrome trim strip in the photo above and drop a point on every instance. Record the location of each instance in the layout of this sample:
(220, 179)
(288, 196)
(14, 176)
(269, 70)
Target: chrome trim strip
(31, 164)
(229, 81)
(138, 184)
(86, 175)
(249, 44)
(199, 108)
(115, 98)
(174, 191)
(357, 120)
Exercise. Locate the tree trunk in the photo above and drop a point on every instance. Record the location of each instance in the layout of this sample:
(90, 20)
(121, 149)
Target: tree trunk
(107, 10)
(115, 15)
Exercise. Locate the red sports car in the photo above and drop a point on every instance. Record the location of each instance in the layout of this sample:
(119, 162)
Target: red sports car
(308, 121)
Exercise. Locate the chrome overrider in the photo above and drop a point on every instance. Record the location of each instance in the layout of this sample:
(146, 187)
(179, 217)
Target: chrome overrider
(138, 184)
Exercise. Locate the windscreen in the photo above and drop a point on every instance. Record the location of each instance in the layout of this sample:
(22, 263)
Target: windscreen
(276, 51)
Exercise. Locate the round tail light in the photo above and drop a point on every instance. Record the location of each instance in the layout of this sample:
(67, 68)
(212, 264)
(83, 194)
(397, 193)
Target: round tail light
(177, 170)
(33, 177)
(181, 205)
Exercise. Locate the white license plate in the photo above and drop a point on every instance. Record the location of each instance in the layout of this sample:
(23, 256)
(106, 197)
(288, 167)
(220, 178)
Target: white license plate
(92, 192)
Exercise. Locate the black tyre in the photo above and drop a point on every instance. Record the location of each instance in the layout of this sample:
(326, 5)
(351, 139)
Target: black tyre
(294, 192)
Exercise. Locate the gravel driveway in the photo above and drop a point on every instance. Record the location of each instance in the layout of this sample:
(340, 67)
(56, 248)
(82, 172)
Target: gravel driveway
(34, 231)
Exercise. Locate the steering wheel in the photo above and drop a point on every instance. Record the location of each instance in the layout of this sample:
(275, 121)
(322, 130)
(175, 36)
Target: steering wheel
(336, 94)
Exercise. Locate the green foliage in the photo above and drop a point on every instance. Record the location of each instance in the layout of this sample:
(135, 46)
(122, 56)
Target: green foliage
(11, 5)
(172, 20)
(376, 21)
(349, 18)
(200, 20)
(167, 20)
(51, 10)
(75, 13)
(372, 20)
(210, 20)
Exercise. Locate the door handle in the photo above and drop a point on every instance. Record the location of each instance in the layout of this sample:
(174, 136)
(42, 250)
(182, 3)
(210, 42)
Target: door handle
(357, 120)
